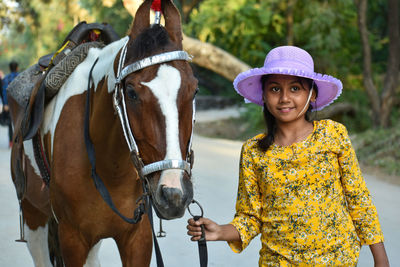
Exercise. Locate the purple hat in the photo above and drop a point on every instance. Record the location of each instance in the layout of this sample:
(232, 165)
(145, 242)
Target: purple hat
(288, 60)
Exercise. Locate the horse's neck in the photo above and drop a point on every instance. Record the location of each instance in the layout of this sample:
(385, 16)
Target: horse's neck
(106, 131)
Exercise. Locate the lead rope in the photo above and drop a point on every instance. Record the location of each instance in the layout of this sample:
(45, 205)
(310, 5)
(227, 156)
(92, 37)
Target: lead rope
(202, 242)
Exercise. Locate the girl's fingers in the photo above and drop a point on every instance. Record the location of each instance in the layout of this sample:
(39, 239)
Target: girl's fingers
(193, 222)
(194, 234)
(195, 238)
(193, 228)
(194, 231)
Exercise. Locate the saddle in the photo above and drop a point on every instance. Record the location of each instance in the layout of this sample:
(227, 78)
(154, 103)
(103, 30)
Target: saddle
(36, 86)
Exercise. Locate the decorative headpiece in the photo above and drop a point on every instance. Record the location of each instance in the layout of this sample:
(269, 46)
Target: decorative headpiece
(156, 7)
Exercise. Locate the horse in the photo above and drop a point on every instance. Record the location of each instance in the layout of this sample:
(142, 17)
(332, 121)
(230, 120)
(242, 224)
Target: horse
(118, 132)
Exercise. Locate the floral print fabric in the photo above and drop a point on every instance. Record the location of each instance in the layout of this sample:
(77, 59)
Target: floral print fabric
(308, 201)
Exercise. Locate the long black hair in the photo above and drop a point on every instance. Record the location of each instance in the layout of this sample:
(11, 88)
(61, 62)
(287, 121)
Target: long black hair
(265, 142)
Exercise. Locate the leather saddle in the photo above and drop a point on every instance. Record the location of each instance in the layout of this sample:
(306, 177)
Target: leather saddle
(58, 66)
(53, 71)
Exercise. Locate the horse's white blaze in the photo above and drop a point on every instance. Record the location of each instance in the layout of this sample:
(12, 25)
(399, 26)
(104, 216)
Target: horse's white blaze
(78, 81)
(165, 87)
(28, 149)
(38, 245)
(93, 259)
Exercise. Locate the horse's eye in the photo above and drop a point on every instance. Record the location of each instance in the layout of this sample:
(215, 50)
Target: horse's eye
(130, 91)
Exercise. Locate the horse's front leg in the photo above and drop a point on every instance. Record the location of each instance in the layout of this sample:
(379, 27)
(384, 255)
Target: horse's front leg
(135, 245)
(75, 249)
(36, 234)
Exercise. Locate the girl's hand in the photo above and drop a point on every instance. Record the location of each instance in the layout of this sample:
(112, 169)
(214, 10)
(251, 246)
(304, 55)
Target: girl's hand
(211, 229)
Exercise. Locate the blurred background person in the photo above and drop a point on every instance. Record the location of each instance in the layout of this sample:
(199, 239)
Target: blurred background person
(5, 111)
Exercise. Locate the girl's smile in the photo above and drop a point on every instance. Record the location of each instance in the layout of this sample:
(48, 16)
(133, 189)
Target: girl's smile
(285, 96)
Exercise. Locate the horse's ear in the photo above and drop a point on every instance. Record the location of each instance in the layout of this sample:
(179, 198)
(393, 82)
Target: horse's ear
(142, 19)
(172, 21)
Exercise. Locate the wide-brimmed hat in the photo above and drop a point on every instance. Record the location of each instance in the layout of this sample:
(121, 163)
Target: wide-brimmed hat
(288, 60)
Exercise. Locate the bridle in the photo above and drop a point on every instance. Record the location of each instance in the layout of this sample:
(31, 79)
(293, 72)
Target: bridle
(120, 107)
(142, 169)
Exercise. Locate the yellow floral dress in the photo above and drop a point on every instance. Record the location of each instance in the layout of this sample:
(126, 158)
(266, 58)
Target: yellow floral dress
(308, 201)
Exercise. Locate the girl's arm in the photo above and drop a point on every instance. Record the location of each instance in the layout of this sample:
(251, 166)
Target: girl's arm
(213, 231)
(379, 253)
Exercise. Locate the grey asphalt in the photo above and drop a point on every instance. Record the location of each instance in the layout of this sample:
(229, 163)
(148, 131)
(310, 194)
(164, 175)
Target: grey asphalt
(215, 185)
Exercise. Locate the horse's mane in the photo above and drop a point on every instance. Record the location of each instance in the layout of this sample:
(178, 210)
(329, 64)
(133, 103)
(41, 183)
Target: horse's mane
(152, 39)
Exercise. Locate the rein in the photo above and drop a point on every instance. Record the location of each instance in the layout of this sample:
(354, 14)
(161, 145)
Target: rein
(92, 158)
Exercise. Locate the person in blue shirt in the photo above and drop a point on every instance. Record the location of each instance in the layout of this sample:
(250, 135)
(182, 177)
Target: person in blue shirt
(6, 81)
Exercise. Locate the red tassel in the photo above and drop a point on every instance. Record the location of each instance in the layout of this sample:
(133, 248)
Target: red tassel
(156, 5)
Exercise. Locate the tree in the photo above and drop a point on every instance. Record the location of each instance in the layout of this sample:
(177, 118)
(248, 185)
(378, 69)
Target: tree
(381, 104)
(38, 27)
(204, 54)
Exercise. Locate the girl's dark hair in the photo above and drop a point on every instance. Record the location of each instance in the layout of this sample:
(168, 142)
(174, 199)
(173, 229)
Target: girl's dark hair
(265, 142)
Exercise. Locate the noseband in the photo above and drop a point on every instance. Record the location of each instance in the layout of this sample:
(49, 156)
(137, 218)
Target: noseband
(120, 107)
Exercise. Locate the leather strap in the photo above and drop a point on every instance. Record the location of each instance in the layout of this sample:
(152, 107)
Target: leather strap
(202, 244)
(92, 158)
(41, 158)
(159, 259)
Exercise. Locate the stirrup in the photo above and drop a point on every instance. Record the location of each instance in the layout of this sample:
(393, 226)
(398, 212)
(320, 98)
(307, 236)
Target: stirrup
(21, 226)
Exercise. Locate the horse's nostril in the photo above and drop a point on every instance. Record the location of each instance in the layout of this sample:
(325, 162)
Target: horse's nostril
(172, 195)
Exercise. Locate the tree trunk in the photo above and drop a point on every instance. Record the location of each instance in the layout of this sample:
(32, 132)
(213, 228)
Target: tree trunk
(289, 22)
(204, 54)
(367, 61)
(213, 58)
(381, 104)
(391, 78)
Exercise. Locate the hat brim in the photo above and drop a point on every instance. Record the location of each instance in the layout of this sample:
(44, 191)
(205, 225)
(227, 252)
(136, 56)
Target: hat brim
(248, 85)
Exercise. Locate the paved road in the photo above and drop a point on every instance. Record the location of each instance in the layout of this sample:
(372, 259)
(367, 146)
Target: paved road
(215, 185)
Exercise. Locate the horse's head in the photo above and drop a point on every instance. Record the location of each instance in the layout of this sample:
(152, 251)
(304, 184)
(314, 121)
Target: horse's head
(159, 104)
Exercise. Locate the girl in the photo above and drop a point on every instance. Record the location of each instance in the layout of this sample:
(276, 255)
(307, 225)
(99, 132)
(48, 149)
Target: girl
(300, 185)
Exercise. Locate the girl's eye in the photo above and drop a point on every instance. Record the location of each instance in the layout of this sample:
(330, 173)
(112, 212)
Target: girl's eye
(275, 89)
(130, 91)
(295, 88)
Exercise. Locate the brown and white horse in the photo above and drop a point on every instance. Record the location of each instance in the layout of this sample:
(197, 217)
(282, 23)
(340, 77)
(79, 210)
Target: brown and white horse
(141, 92)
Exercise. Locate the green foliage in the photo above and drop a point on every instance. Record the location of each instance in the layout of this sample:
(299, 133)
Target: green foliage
(327, 29)
(361, 120)
(242, 27)
(116, 15)
(253, 115)
(38, 27)
(380, 147)
(15, 47)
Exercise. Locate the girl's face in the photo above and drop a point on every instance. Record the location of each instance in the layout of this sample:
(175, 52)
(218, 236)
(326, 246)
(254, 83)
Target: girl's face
(285, 97)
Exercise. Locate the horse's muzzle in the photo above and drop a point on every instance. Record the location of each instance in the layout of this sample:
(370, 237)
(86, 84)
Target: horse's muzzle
(171, 202)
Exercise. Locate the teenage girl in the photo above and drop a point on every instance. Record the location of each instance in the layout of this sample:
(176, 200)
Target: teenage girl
(300, 185)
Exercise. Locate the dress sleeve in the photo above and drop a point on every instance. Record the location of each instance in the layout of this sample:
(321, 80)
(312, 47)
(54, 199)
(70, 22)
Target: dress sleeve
(358, 198)
(248, 204)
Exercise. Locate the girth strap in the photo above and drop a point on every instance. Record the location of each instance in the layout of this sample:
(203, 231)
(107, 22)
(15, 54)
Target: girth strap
(40, 158)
